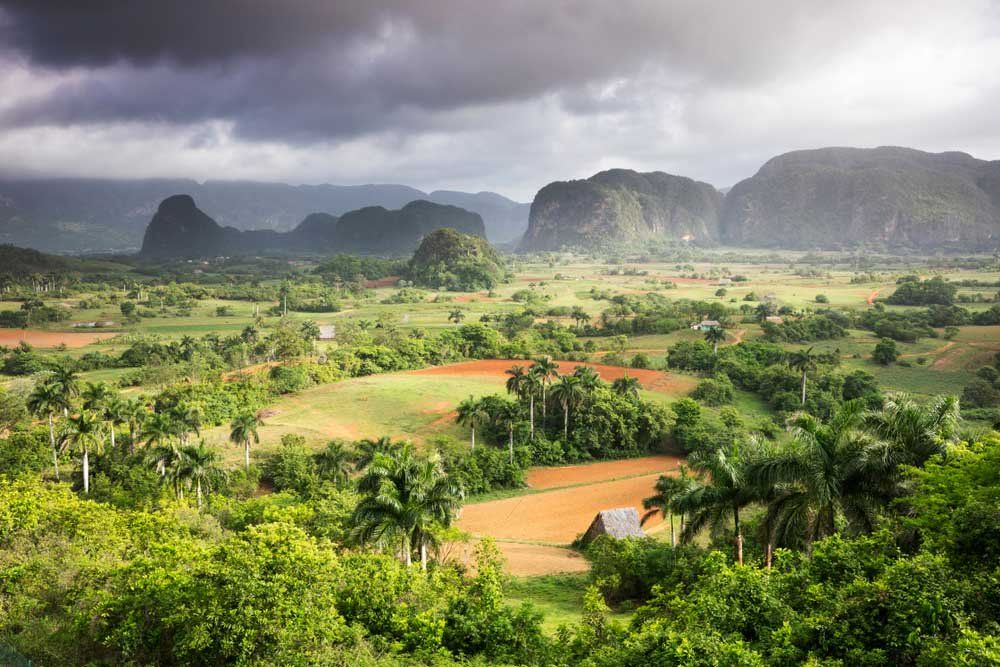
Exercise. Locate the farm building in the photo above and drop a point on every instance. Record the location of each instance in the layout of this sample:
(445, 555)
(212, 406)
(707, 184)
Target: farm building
(617, 523)
(774, 319)
(705, 324)
(724, 281)
(327, 331)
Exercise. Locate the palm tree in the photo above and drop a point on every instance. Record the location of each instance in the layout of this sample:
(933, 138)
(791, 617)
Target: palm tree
(115, 412)
(187, 419)
(722, 492)
(334, 463)
(805, 362)
(96, 396)
(569, 392)
(546, 370)
(471, 413)
(506, 417)
(714, 336)
(517, 380)
(456, 316)
(157, 429)
(134, 414)
(404, 499)
(626, 386)
(47, 399)
(668, 488)
(84, 434)
(532, 389)
(830, 469)
(65, 379)
(198, 466)
(368, 449)
(589, 378)
(915, 431)
(243, 429)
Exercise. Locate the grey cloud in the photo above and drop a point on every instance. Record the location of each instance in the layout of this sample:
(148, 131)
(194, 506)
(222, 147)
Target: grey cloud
(307, 70)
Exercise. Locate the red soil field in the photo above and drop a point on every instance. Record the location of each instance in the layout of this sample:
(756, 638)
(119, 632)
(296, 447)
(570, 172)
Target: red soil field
(590, 473)
(650, 380)
(526, 560)
(11, 337)
(558, 516)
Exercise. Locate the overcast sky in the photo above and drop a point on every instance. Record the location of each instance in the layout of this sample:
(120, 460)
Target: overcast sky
(474, 95)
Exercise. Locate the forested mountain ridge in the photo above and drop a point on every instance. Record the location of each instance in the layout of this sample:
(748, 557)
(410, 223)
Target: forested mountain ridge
(830, 197)
(821, 198)
(76, 215)
(621, 205)
(181, 229)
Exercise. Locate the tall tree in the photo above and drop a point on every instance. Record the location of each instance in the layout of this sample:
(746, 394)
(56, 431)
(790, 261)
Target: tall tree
(532, 389)
(368, 449)
(404, 499)
(46, 399)
(187, 419)
(668, 488)
(157, 429)
(198, 466)
(68, 384)
(569, 392)
(589, 378)
(915, 431)
(546, 370)
(134, 415)
(714, 336)
(471, 413)
(829, 470)
(626, 386)
(805, 362)
(718, 496)
(243, 429)
(83, 433)
(334, 463)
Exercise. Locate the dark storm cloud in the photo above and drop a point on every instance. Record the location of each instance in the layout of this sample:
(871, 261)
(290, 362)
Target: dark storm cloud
(473, 94)
(307, 70)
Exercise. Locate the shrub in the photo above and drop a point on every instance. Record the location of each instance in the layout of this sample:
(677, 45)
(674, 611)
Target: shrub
(885, 352)
(717, 390)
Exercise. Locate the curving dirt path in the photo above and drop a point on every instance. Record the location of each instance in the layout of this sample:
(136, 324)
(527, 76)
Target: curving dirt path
(871, 297)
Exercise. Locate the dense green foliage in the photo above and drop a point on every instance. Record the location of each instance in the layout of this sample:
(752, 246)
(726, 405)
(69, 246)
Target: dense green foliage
(447, 259)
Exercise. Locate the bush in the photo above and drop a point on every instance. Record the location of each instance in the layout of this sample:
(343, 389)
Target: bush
(822, 298)
(714, 391)
(885, 352)
(980, 394)
(289, 379)
(292, 467)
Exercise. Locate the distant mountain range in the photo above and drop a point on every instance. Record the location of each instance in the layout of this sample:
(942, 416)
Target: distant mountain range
(897, 198)
(96, 215)
(180, 229)
(889, 197)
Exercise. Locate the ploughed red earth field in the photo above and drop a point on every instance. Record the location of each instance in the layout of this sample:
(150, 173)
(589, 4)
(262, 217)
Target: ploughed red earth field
(650, 380)
(560, 515)
(11, 337)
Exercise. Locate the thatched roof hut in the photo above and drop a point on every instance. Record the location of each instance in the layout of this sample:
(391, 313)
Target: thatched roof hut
(617, 523)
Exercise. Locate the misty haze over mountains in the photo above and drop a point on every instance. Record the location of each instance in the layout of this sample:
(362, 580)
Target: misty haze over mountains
(819, 198)
(106, 215)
